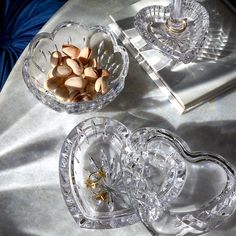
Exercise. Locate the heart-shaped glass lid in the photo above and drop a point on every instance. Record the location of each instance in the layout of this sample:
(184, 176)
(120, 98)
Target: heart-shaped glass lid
(176, 191)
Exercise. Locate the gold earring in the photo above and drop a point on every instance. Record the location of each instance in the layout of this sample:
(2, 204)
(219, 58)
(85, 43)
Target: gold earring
(102, 196)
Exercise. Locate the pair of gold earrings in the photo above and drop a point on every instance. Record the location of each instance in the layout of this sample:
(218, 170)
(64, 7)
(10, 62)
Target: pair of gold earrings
(93, 183)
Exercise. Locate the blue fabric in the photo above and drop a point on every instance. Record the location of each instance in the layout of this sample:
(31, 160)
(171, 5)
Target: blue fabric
(20, 20)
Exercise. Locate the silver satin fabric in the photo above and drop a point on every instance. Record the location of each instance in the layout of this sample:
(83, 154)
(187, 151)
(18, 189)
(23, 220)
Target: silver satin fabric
(31, 136)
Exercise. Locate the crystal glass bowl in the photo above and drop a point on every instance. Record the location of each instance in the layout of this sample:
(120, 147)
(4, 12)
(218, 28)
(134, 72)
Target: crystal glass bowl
(105, 48)
(91, 174)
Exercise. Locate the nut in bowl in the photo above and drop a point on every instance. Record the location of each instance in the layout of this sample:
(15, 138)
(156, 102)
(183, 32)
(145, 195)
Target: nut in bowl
(76, 68)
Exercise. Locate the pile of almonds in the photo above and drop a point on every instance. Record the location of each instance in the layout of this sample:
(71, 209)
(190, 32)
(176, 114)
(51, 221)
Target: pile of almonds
(75, 75)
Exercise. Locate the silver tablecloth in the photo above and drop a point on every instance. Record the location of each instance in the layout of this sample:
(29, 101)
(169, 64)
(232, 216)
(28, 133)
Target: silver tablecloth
(31, 137)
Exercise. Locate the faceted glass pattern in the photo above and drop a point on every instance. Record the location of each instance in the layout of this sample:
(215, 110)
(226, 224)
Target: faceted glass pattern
(91, 174)
(111, 177)
(150, 22)
(177, 191)
(106, 50)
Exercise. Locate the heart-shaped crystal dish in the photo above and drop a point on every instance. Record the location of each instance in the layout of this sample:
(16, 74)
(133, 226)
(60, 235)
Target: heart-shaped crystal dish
(91, 174)
(150, 22)
(112, 177)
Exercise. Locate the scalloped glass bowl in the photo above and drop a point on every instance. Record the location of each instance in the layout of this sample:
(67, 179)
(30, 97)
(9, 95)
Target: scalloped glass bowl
(106, 50)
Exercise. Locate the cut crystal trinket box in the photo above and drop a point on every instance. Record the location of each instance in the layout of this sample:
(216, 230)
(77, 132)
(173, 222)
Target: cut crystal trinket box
(91, 174)
(112, 177)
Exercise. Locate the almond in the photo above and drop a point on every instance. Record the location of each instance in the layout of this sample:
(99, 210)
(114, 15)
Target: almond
(90, 89)
(101, 85)
(75, 82)
(50, 74)
(52, 83)
(74, 96)
(90, 74)
(63, 60)
(85, 55)
(104, 87)
(56, 58)
(103, 73)
(93, 63)
(76, 66)
(71, 50)
(62, 71)
(62, 93)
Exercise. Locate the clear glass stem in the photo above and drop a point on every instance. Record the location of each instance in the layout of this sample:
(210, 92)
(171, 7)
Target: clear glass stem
(176, 12)
(176, 23)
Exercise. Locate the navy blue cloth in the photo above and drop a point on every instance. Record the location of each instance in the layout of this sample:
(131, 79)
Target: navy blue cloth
(20, 20)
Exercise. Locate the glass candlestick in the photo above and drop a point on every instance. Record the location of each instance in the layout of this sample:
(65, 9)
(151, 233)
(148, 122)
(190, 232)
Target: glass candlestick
(178, 30)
